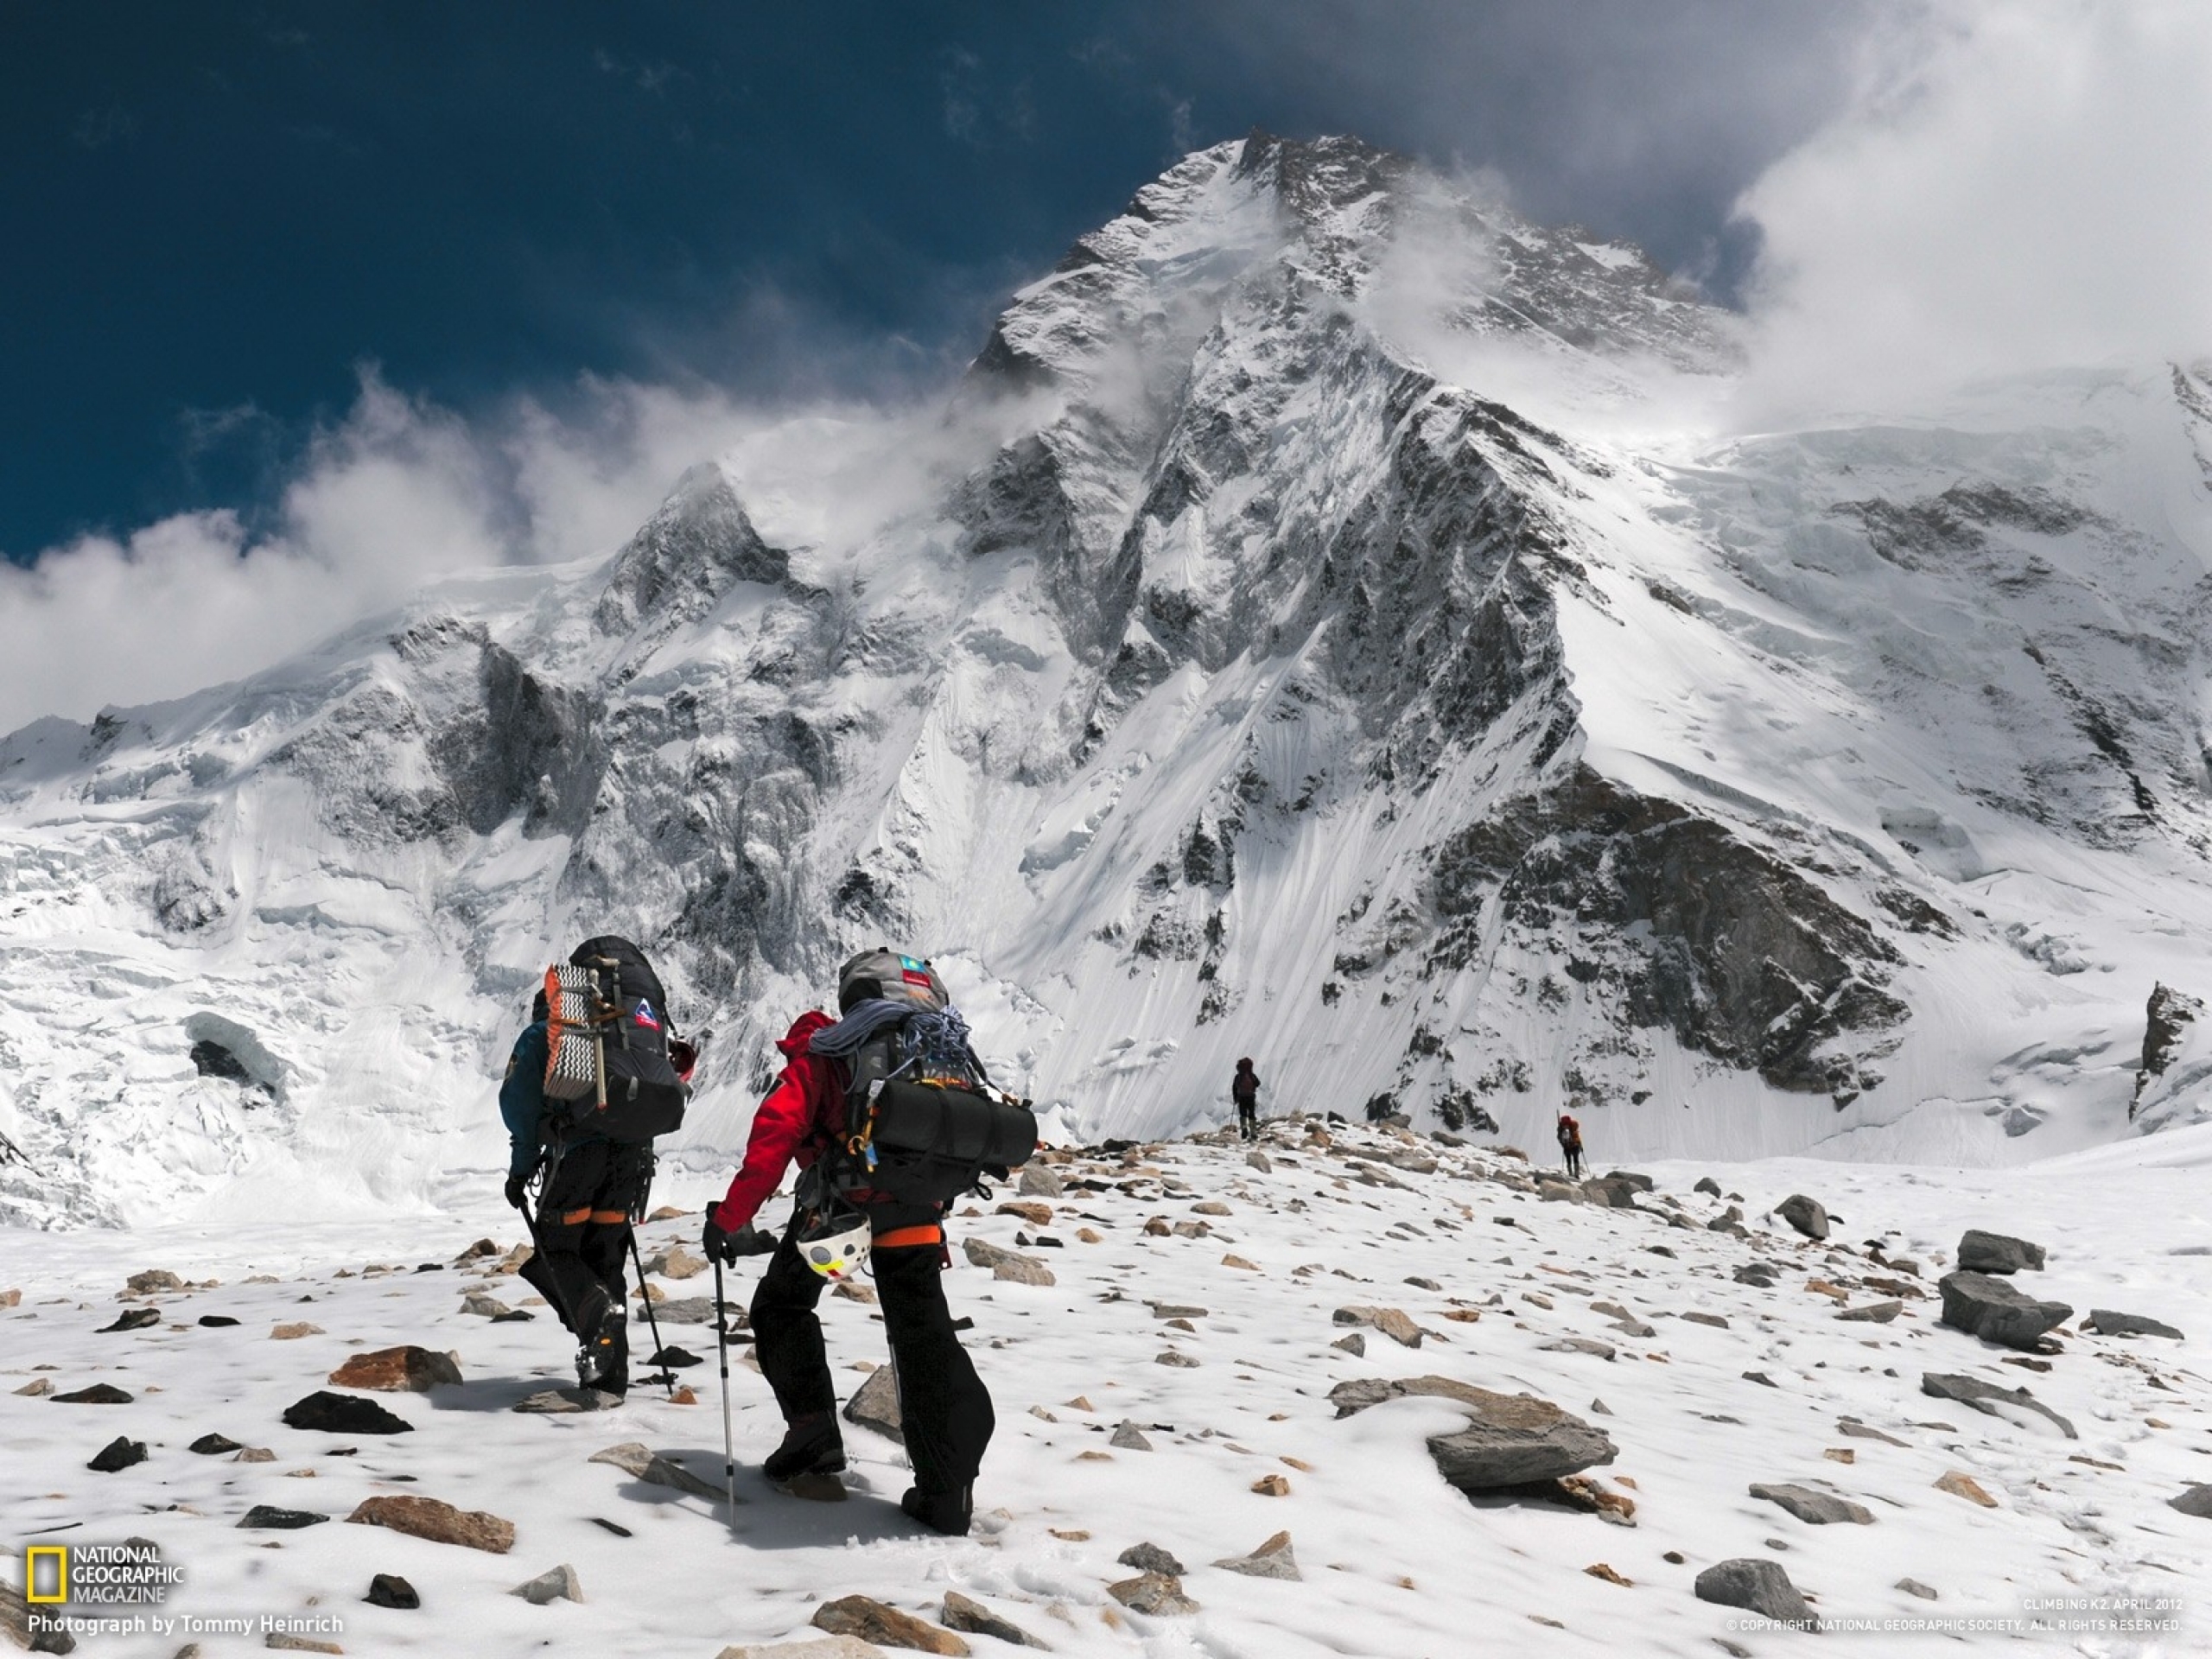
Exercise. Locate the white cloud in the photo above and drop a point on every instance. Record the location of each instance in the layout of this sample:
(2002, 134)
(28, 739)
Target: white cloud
(401, 491)
(2013, 185)
(398, 493)
(176, 604)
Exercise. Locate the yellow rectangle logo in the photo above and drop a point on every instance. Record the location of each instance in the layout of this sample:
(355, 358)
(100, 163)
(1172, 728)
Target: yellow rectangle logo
(55, 1558)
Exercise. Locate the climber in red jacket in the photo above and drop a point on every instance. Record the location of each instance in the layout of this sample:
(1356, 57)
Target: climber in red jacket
(946, 1410)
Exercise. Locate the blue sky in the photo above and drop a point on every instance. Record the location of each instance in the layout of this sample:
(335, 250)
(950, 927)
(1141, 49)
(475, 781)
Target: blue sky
(217, 215)
(310, 306)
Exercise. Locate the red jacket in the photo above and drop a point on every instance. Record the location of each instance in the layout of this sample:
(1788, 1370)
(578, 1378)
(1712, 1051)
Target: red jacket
(804, 1111)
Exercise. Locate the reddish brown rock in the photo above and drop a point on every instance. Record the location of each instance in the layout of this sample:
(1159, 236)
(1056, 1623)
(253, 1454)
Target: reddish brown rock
(871, 1621)
(406, 1370)
(1392, 1322)
(440, 1522)
(1962, 1484)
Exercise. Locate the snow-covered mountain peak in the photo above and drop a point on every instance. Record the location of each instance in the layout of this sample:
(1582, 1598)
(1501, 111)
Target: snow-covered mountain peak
(1281, 644)
(1336, 215)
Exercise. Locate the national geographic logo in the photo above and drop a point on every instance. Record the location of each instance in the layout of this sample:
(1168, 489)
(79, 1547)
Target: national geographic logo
(46, 1574)
(130, 1574)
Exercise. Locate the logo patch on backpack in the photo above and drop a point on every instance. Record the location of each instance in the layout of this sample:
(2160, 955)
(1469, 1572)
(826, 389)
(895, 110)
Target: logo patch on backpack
(646, 1017)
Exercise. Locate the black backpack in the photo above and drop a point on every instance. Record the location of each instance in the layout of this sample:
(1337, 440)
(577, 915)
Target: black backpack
(923, 1121)
(607, 1044)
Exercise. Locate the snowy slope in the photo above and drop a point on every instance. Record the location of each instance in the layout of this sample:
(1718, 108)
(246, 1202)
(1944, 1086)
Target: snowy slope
(1394, 1564)
(1325, 624)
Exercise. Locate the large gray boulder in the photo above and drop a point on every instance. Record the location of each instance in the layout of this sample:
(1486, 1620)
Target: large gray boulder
(1981, 1252)
(1807, 1215)
(1759, 1587)
(1814, 1508)
(1992, 1310)
(875, 1405)
(1510, 1440)
(1041, 1181)
(2106, 1323)
(680, 1310)
(1615, 1190)
(2014, 1406)
(1010, 1265)
(2196, 1501)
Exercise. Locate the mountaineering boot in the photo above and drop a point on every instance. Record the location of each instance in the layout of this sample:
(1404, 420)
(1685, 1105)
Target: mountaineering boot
(811, 1445)
(946, 1512)
(610, 1350)
(603, 1361)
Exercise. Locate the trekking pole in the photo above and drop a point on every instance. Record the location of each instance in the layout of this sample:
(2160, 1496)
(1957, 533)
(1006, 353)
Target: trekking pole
(722, 1346)
(667, 1377)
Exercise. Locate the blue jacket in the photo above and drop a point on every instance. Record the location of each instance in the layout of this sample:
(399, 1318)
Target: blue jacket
(528, 1115)
(522, 1099)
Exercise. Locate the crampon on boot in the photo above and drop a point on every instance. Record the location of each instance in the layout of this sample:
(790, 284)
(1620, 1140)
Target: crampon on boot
(603, 1362)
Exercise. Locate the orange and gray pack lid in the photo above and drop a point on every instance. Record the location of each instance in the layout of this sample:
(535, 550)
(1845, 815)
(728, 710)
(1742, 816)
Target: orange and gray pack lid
(883, 972)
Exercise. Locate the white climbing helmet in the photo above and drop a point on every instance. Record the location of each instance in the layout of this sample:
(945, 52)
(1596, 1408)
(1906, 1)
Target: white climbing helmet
(835, 1245)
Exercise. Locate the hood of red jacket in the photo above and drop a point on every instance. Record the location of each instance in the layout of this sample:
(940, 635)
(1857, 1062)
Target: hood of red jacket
(794, 1041)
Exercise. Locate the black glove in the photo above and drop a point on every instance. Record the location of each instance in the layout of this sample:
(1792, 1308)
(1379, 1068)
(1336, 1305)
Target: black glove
(518, 1188)
(716, 1242)
(726, 1246)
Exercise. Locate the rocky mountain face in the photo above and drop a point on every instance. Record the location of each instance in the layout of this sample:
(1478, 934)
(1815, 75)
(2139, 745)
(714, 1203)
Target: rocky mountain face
(1274, 647)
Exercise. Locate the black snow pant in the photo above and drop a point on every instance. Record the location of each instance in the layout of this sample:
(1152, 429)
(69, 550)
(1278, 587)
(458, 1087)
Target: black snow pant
(1248, 1119)
(943, 1406)
(1573, 1161)
(592, 1193)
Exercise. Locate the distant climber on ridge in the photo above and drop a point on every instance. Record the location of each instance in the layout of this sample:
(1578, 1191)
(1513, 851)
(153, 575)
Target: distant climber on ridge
(1570, 1145)
(870, 1107)
(1245, 1091)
